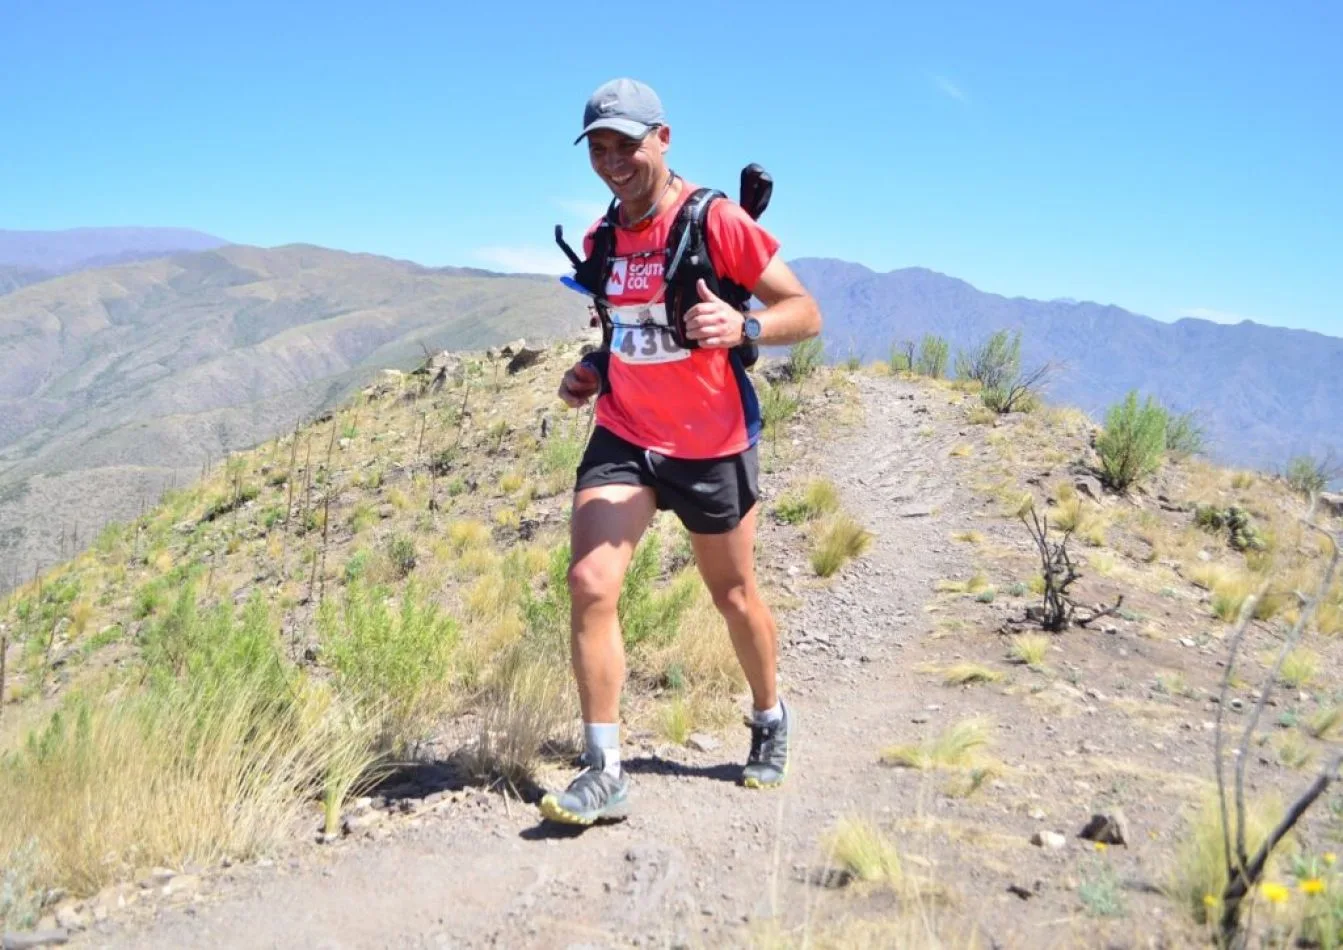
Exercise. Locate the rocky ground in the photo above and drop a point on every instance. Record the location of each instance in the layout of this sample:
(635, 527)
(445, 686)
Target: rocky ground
(436, 862)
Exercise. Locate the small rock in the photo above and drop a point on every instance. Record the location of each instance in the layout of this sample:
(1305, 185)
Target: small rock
(1237, 704)
(1187, 642)
(69, 917)
(181, 885)
(702, 743)
(33, 938)
(1048, 839)
(1109, 828)
(919, 718)
(362, 822)
(1110, 629)
(1096, 695)
(1036, 814)
(1022, 892)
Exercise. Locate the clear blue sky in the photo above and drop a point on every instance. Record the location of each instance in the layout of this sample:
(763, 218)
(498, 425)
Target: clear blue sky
(1170, 157)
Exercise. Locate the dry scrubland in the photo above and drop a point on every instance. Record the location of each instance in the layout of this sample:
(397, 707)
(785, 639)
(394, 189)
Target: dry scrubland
(220, 680)
(384, 585)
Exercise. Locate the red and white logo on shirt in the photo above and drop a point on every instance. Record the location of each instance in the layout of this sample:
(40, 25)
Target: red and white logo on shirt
(634, 275)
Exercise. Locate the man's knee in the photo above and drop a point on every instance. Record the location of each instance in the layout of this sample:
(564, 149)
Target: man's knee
(591, 582)
(733, 600)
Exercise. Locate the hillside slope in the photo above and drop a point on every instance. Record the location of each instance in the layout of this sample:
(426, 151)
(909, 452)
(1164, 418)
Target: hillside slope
(948, 754)
(166, 365)
(1264, 393)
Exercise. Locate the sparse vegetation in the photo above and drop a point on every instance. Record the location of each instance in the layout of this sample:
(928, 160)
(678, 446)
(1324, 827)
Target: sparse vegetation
(862, 851)
(932, 357)
(958, 746)
(818, 498)
(840, 540)
(804, 358)
(1030, 649)
(1133, 443)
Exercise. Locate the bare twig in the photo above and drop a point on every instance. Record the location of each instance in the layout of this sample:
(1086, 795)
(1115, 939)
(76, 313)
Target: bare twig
(1243, 871)
(1242, 624)
(4, 656)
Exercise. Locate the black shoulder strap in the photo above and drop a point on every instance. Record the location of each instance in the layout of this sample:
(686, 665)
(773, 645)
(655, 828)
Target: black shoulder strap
(689, 260)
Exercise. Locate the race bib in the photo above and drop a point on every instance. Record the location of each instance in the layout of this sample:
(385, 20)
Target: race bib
(640, 335)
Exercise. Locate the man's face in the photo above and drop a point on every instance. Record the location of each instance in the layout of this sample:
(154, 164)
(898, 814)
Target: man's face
(632, 168)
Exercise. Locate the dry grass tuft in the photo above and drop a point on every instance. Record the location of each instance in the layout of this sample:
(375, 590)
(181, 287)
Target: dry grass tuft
(839, 540)
(1299, 668)
(1031, 649)
(860, 848)
(228, 766)
(1197, 876)
(965, 673)
(955, 747)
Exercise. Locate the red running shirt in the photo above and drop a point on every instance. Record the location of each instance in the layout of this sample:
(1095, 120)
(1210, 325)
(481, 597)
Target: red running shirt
(692, 404)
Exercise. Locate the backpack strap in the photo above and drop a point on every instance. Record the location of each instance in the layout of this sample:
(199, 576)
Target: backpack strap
(688, 260)
(593, 272)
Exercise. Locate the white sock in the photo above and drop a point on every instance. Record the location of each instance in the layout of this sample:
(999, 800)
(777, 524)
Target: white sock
(770, 716)
(606, 737)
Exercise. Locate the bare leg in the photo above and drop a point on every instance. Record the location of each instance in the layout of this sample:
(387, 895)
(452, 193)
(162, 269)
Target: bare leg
(727, 564)
(607, 523)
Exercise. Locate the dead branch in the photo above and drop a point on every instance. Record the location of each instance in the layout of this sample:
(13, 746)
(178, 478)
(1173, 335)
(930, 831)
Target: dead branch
(1243, 871)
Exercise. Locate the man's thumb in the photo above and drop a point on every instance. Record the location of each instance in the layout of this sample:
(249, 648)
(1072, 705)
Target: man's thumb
(705, 293)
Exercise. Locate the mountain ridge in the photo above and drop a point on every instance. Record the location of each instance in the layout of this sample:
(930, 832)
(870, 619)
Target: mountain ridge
(1255, 414)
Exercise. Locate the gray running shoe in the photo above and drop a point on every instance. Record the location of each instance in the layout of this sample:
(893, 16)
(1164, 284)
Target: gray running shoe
(767, 765)
(594, 794)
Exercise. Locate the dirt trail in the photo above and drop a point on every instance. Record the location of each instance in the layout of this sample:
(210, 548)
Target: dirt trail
(702, 861)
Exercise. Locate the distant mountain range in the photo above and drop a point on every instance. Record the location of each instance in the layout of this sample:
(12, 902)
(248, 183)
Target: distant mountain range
(27, 256)
(1263, 393)
(119, 379)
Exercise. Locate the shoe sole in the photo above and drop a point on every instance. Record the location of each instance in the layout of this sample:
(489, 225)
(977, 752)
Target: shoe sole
(552, 809)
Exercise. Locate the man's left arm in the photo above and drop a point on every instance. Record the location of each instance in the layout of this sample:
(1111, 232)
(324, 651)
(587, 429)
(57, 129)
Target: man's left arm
(747, 254)
(790, 314)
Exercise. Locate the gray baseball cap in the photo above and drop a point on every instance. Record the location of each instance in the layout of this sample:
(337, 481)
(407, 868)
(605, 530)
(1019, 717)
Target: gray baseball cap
(626, 106)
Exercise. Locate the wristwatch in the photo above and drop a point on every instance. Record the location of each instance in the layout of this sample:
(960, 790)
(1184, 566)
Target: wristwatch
(751, 329)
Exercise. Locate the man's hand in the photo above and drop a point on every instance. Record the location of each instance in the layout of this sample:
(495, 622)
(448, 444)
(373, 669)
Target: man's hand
(579, 385)
(715, 323)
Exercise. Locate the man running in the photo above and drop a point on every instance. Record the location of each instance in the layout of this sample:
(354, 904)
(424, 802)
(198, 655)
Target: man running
(676, 428)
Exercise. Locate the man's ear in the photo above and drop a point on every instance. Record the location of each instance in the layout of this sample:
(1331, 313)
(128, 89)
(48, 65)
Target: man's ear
(664, 136)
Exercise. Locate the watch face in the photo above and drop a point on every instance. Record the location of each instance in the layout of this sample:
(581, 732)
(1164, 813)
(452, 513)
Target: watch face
(752, 328)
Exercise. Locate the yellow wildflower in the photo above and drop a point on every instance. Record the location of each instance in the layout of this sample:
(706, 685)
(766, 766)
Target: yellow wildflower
(1101, 845)
(1312, 885)
(1209, 900)
(1273, 892)
(1330, 858)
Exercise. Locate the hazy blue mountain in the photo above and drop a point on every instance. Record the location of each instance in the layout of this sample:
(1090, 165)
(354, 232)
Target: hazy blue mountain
(62, 252)
(1263, 393)
(12, 278)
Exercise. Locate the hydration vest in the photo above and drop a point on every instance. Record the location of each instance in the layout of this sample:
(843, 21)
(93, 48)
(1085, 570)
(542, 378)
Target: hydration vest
(688, 261)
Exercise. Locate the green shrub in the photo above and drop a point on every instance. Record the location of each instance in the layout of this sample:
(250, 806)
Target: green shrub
(932, 358)
(805, 358)
(1133, 444)
(818, 498)
(646, 613)
(777, 406)
(1184, 435)
(395, 663)
(995, 364)
(401, 554)
(1307, 475)
(901, 359)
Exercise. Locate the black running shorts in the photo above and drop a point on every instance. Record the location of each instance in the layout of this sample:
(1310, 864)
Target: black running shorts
(710, 496)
